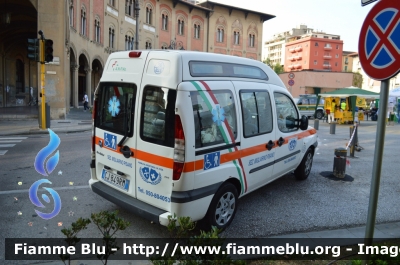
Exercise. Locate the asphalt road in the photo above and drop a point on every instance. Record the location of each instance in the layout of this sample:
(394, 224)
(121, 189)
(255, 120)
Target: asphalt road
(282, 207)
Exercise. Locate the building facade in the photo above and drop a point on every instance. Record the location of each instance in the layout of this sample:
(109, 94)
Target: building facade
(86, 32)
(314, 53)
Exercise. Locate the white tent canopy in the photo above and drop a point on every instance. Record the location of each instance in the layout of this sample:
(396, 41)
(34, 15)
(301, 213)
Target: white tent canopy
(395, 92)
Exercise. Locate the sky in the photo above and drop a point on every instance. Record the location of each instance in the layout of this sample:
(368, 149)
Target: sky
(339, 17)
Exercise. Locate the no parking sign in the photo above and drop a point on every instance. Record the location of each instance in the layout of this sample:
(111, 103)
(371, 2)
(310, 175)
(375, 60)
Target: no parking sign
(379, 44)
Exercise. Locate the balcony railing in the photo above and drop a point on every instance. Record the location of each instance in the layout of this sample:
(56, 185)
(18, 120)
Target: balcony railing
(292, 50)
(298, 49)
(328, 48)
(297, 66)
(327, 57)
(326, 65)
(298, 57)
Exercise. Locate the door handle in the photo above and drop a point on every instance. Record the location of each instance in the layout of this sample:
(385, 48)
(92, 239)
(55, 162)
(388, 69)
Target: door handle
(126, 151)
(269, 145)
(281, 141)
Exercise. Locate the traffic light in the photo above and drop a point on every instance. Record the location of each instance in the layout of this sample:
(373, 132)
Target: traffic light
(33, 50)
(48, 51)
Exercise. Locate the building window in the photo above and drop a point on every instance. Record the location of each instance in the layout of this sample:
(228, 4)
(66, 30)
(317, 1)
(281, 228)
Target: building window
(327, 45)
(236, 38)
(71, 14)
(129, 7)
(336, 64)
(196, 31)
(97, 30)
(148, 45)
(128, 43)
(111, 36)
(180, 27)
(83, 22)
(164, 22)
(251, 38)
(346, 60)
(316, 44)
(326, 37)
(337, 55)
(220, 35)
(112, 3)
(337, 47)
(315, 53)
(148, 15)
(315, 62)
(164, 47)
(345, 68)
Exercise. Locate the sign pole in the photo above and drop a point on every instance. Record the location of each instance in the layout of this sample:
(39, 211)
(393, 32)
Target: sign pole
(42, 77)
(377, 166)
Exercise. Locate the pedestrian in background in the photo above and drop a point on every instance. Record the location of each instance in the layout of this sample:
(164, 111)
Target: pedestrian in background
(85, 102)
(398, 111)
(331, 115)
(343, 105)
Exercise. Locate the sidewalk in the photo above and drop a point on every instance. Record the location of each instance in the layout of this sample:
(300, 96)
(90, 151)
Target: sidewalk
(76, 120)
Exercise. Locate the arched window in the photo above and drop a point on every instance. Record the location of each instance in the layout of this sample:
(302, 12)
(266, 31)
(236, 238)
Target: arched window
(165, 22)
(97, 30)
(220, 35)
(128, 43)
(111, 36)
(148, 45)
(196, 31)
(236, 38)
(180, 26)
(251, 40)
(83, 21)
(112, 3)
(71, 13)
(129, 7)
(148, 15)
(164, 46)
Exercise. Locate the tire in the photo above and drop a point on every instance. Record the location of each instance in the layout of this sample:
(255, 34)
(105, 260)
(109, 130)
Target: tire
(223, 206)
(319, 115)
(304, 169)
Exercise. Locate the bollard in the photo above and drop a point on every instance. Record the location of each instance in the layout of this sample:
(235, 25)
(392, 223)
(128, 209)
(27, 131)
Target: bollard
(354, 140)
(339, 162)
(316, 124)
(332, 128)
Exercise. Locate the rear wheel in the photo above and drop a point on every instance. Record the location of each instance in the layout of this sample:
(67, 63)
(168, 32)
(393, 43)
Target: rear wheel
(223, 206)
(319, 114)
(304, 169)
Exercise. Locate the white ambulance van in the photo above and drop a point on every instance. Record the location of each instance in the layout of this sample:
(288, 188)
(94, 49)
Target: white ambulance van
(188, 133)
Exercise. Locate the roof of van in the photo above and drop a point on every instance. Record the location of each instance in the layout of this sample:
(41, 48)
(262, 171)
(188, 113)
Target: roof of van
(187, 56)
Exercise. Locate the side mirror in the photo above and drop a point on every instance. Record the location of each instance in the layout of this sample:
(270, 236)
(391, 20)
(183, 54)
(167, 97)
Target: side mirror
(290, 122)
(303, 123)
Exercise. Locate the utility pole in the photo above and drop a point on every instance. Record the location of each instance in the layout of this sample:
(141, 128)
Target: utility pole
(42, 79)
(137, 8)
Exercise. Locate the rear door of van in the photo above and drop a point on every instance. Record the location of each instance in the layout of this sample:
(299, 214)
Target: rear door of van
(115, 123)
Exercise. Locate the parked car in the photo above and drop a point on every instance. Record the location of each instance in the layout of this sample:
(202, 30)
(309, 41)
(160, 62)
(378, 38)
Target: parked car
(307, 103)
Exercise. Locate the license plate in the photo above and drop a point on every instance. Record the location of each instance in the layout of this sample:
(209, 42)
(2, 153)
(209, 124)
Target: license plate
(116, 180)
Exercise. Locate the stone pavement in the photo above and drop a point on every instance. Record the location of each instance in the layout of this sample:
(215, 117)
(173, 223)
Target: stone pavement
(78, 120)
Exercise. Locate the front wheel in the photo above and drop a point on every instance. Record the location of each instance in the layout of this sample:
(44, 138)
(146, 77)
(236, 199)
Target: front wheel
(223, 206)
(304, 169)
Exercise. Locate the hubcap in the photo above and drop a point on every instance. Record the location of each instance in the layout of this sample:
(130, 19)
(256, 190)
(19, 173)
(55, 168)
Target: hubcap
(225, 208)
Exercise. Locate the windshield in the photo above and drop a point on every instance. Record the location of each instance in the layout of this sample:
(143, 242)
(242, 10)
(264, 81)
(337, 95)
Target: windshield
(116, 107)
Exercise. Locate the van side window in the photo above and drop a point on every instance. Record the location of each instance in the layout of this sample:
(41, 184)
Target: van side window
(158, 115)
(116, 107)
(286, 113)
(214, 117)
(257, 112)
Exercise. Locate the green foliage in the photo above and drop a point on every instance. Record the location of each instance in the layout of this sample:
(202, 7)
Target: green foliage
(276, 67)
(357, 80)
(71, 234)
(181, 228)
(108, 223)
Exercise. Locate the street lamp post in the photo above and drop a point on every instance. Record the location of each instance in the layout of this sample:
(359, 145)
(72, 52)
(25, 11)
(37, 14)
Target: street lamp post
(137, 8)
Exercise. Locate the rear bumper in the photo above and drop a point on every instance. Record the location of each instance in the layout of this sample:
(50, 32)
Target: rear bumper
(131, 204)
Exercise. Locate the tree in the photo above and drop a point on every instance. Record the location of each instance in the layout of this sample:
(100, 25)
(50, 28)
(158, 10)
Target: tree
(276, 67)
(357, 80)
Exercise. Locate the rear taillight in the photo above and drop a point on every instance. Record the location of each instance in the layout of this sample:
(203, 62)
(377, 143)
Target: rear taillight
(93, 124)
(179, 149)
